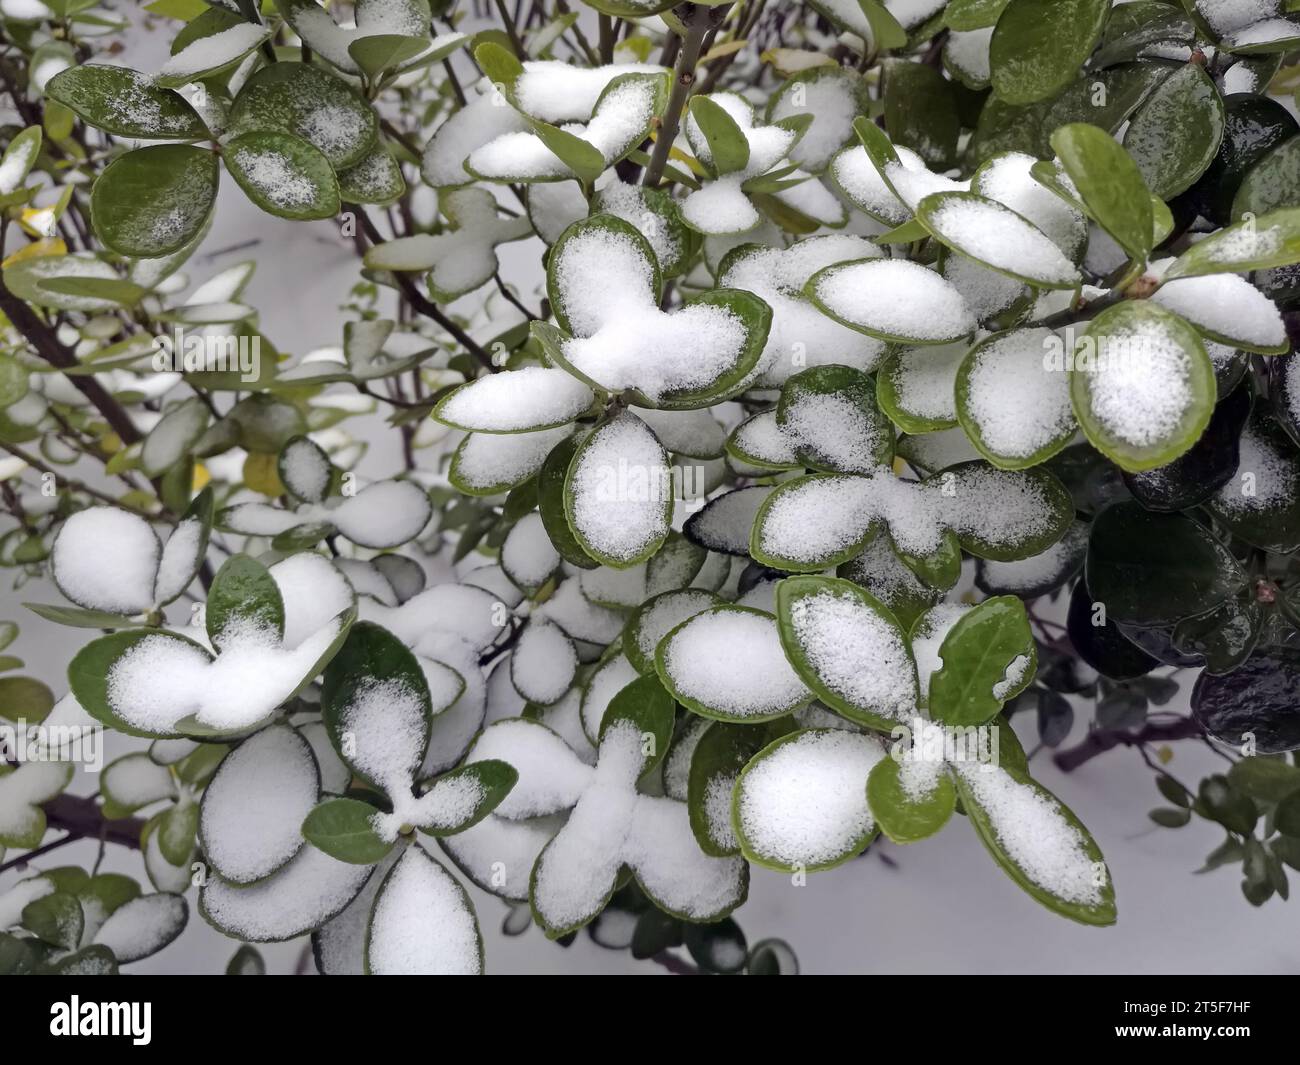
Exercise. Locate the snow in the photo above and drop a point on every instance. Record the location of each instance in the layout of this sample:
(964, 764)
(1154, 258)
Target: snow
(990, 233)
(860, 180)
(106, 559)
(630, 203)
(832, 99)
(213, 52)
(893, 299)
(543, 663)
(987, 293)
(384, 514)
(762, 440)
(856, 653)
(527, 554)
(1273, 482)
(313, 592)
(423, 923)
(804, 803)
(613, 826)
(143, 926)
(24, 789)
(276, 177)
(305, 470)
(801, 336)
(17, 161)
(551, 776)
(1226, 305)
(606, 682)
(727, 520)
(528, 398)
(580, 618)
(1008, 179)
(662, 614)
(1018, 405)
(253, 809)
(1139, 386)
(968, 54)
(833, 429)
(923, 380)
(1029, 574)
(385, 728)
(180, 560)
(306, 893)
(619, 487)
(465, 131)
(161, 679)
(621, 338)
(498, 461)
(556, 92)
(134, 780)
(693, 433)
(729, 660)
(1034, 833)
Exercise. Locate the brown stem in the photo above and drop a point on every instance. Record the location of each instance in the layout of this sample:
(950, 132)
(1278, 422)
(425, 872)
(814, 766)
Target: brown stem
(48, 346)
(81, 818)
(683, 78)
(1099, 741)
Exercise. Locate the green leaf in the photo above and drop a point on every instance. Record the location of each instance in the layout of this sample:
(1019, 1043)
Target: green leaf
(550, 504)
(492, 781)
(25, 699)
(1167, 818)
(886, 33)
(849, 389)
(125, 103)
(1106, 400)
(1174, 135)
(988, 659)
(1265, 779)
(80, 618)
(153, 201)
(369, 656)
(646, 704)
(903, 817)
(89, 669)
(243, 597)
(211, 44)
(342, 829)
(1259, 504)
(310, 103)
(377, 179)
(809, 610)
(378, 52)
(1253, 244)
(499, 64)
(177, 830)
(1253, 706)
(1110, 184)
(57, 919)
(284, 175)
(988, 822)
(720, 754)
(984, 230)
(18, 158)
(921, 111)
(246, 961)
(1271, 183)
(966, 15)
(1156, 569)
(97, 288)
(1038, 46)
(574, 152)
(728, 147)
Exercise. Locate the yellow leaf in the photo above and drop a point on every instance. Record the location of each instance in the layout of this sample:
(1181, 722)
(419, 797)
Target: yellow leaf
(792, 60)
(726, 48)
(201, 477)
(37, 249)
(1164, 754)
(261, 474)
(39, 221)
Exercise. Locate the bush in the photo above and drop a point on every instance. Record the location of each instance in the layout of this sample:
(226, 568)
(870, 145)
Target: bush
(873, 371)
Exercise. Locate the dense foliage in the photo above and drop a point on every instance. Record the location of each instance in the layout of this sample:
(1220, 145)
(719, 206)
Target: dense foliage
(871, 371)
